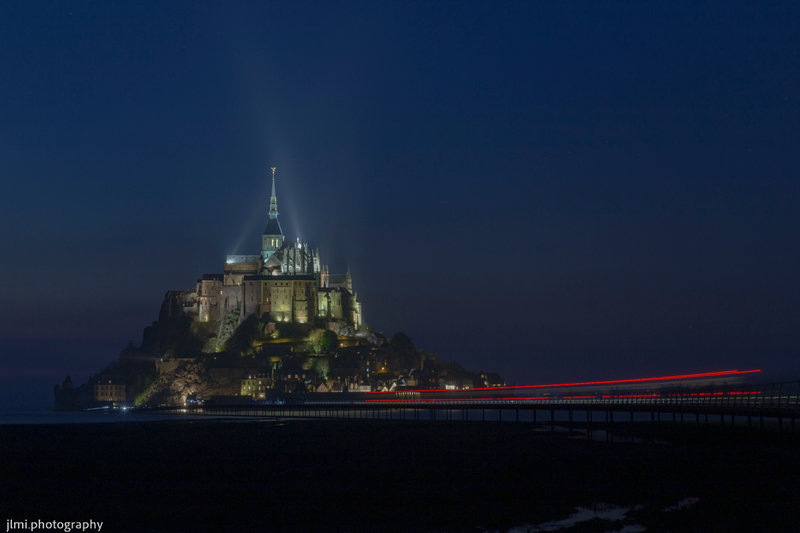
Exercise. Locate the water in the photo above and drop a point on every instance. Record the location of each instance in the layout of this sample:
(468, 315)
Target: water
(608, 513)
(88, 417)
(606, 518)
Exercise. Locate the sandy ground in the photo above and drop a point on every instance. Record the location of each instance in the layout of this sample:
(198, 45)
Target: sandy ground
(313, 475)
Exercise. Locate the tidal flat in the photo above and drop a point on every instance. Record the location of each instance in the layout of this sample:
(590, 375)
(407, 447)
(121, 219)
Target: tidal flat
(338, 475)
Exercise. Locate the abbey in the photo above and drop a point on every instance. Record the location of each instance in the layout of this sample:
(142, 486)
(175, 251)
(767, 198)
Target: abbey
(286, 282)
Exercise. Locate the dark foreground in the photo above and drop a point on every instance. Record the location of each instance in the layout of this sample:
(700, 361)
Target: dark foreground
(387, 476)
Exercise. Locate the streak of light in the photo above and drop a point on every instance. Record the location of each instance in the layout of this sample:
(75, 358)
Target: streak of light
(609, 382)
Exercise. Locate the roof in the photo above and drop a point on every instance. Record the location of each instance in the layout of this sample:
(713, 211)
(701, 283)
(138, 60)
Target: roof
(280, 277)
(273, 227)
(273, 261)
(233, 259)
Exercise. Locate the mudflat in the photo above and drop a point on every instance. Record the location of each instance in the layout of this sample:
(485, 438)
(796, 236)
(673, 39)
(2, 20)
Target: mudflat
(339, 475)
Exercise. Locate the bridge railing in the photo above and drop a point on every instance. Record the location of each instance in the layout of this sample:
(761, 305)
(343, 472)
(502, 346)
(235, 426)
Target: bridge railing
(782, 397)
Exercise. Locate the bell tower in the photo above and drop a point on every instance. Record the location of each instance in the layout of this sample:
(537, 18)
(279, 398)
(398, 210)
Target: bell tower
(272, 238)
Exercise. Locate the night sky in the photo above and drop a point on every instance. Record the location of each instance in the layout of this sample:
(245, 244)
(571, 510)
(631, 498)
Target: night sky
(554, 191)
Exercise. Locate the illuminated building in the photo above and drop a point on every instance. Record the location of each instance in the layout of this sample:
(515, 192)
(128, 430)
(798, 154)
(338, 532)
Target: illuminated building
(285, 282)
(109, 389)
(256, 386)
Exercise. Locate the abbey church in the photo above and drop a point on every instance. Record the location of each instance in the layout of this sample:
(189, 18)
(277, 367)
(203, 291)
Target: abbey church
(285, 281)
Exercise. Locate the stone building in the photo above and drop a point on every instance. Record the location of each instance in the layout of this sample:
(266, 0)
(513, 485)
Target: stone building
(256, 386)
(286, 281)
(109, 389)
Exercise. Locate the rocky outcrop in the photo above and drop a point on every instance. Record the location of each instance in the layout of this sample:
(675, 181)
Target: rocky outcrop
(227, 326)
(179, 382)
(184, 379)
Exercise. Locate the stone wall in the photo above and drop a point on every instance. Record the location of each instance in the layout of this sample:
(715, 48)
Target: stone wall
(329, 304)
(251, 295)
(177, 303)
(228, 381)
(235, 272)
(230, 298)
(208, 293)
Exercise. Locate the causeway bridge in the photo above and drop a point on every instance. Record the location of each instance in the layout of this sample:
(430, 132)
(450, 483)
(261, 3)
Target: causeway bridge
(604, 407)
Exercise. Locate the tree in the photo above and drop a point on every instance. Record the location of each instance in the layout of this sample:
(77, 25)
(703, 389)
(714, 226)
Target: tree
(402, 350)
(401, 343)
(242, 339)
(322, 366)
(327, 341)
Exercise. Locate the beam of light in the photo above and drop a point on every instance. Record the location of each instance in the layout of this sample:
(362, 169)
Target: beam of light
(250, 230)
(720, 373)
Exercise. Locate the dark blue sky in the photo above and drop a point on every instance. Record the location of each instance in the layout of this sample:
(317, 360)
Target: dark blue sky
(560, 191)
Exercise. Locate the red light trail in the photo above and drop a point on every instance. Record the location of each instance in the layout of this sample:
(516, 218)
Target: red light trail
(720, 373)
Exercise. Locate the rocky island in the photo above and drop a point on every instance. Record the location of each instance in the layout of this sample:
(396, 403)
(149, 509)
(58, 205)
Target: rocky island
(272, 325)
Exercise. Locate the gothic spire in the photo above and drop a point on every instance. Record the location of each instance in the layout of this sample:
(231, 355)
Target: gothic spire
(273, 199)
(273, 226)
